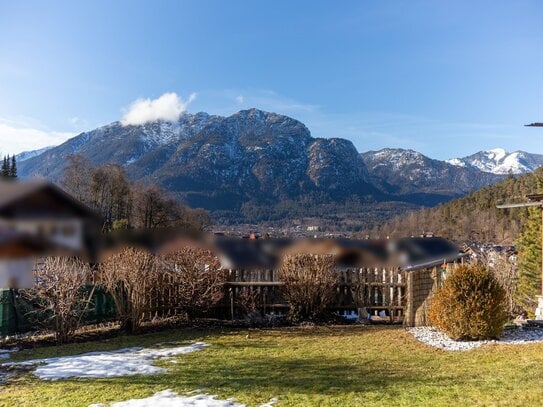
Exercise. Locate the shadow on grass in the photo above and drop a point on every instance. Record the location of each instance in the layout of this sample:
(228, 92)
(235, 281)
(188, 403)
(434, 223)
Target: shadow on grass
(302, 361)
(244, 364)
(307, 375)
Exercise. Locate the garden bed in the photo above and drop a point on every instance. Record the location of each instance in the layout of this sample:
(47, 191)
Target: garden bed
(511, 336)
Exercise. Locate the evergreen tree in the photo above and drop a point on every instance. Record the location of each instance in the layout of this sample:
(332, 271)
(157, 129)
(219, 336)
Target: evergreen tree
(4, 171)
(529, 249)
(529, 262)
(13, 168)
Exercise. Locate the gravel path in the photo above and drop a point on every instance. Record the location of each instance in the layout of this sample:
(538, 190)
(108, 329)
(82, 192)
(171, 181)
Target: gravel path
(511, 336)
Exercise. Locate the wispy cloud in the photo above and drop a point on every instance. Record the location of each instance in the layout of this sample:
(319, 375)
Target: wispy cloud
(76, 121)
(270, 100)
(228, 101)
(168, 107)
(16, 137)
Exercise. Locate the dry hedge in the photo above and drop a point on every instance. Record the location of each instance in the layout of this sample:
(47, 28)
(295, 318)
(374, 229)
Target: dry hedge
(470, 305)
(309, 284)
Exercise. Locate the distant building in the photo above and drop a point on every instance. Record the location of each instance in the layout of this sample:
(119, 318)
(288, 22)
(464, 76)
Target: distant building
(37, 218)
(42, 210)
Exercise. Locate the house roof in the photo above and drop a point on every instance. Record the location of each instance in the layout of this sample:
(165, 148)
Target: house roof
(408, 253)
(422, 252)
(249, 253)
(16, 200)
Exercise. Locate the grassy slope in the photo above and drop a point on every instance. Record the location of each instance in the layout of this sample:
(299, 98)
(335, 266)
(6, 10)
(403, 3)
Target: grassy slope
(344, 366)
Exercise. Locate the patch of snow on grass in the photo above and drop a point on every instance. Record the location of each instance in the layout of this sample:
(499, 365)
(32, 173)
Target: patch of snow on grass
(270, 403)
(5, 353)
(514, 336)
(169, 398)
(123, 362)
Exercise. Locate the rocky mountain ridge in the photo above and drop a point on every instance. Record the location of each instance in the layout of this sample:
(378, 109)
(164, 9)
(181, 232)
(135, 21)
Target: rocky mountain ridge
(219, 162)
(408, 172)
(252, 163)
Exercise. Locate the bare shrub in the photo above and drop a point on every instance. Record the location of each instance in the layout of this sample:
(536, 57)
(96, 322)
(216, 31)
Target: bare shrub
(197, 277)
(129, 276)
(505, 269)
(59, 296)
(470, 305)
(309, 284)
(248, 299)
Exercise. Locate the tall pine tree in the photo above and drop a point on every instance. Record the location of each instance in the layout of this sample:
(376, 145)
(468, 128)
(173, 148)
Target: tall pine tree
(529, 259)
(529, 262)
(13, 168)
(4, 171)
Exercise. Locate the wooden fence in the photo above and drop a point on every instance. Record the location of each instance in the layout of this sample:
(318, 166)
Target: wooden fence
(421, 288)
(373, 292)
(386, 294)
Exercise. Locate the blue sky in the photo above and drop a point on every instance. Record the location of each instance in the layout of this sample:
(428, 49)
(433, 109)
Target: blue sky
(444, 78)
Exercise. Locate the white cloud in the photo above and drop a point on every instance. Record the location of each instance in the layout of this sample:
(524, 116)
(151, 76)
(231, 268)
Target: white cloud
(18, 137)
(228, 101)
(274, 102)
(76, 120)
(167, 107)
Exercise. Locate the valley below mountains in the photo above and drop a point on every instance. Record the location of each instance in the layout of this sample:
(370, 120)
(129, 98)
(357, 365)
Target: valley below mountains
(260, 167)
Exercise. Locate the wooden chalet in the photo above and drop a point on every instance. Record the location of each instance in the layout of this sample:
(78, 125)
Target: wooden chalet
(36, 219)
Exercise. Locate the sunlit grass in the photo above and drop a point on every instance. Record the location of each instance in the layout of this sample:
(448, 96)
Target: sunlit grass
(339, 366)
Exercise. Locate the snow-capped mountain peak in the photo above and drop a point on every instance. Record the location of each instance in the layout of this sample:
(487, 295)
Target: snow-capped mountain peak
(25, 155)
(457, 162)
(499, 161)
(496, 154)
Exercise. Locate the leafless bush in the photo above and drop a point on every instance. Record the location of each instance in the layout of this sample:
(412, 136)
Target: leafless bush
(248, 299)
(58, 295)
(505, 270)
(309, 284)
(123, 204)
(129, 276)
(197, 277)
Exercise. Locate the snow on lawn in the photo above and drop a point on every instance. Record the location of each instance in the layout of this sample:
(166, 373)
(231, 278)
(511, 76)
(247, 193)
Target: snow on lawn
(5, 353)
(122, 362)
(168, 398)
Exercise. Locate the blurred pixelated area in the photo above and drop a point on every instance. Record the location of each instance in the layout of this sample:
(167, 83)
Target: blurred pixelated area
(38, 219)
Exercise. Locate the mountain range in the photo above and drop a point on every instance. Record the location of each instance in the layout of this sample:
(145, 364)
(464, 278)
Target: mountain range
(255, 165)
(499, 161)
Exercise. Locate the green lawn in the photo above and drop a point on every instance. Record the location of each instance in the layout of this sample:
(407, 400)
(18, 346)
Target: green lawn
(338, 366)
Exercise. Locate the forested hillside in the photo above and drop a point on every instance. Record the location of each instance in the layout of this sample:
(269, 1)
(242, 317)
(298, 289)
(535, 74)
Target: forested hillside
(475, 216)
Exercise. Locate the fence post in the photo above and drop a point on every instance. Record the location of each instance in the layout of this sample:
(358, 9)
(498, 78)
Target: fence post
(410, 314)
(231, 303)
